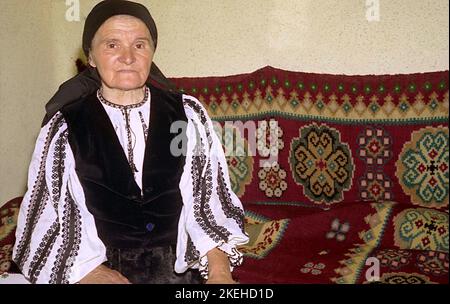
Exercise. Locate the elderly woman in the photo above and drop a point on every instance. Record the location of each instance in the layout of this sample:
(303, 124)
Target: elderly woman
(109, 200)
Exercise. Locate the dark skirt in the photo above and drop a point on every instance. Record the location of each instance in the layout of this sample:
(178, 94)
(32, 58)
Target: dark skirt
(149, 266)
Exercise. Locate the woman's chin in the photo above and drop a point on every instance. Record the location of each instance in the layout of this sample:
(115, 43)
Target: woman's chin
(128, 85)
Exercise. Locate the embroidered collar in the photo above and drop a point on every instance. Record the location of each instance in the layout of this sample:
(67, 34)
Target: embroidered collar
(123, 107)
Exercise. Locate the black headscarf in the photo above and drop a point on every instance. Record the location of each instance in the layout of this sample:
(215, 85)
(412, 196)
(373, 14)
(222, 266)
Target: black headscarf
(109, 8)
(88, 81)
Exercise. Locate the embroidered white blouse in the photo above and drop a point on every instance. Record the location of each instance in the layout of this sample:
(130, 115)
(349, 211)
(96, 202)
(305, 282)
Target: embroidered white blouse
(56, 237)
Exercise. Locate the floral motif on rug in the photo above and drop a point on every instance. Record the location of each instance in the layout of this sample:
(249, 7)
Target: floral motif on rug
(374, 146)
(321, 163)
(312, 268)
(272, 180)
(423, 167)
(422, 229)
(270, 138)
(375, 186)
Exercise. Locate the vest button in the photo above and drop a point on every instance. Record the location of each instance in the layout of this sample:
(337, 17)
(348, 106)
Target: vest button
(150, 227)
(149, 190)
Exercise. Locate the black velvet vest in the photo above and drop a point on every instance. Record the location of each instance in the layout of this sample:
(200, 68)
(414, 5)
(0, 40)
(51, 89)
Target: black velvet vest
(124, 217)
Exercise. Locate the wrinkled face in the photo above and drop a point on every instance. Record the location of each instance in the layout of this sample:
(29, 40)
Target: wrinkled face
(122, 51)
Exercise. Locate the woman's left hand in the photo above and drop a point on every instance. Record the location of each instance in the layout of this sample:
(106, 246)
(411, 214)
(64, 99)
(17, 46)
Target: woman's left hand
(218, 268)
(221, 279)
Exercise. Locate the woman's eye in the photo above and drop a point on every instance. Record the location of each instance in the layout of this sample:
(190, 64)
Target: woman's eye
(111, 45)
(140, 46)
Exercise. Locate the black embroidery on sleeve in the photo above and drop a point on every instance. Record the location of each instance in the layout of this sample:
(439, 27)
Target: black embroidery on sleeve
(202, 116)
(41, 255)
(231, 211)
(59, 156)
(38, 198)
(192, 254)
(203, 186)
(71, 234)
(43, 251)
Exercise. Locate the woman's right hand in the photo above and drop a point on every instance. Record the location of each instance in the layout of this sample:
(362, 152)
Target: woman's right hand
(104, 275)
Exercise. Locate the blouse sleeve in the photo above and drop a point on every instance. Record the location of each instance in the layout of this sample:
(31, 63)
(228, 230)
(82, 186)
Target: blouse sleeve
(56, 238)
(212, 215)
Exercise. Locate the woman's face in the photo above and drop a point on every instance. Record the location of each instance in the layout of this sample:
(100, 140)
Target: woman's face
(122, 51)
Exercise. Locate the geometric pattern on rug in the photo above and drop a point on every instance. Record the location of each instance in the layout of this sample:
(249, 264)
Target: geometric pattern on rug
(402, 278)
(264, 234)
(421, 229)
(352, 266)
(321, 163)
(433, 263)
(423, 167)
(239, 158)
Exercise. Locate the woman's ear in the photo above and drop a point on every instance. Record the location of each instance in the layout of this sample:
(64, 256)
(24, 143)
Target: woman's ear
(91, 61)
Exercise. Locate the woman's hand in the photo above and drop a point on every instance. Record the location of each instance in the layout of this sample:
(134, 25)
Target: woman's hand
(104, 275)
(218, 268)
(220, 279)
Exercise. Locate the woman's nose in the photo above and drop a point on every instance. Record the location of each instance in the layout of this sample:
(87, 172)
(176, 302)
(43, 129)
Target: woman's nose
(127, 56)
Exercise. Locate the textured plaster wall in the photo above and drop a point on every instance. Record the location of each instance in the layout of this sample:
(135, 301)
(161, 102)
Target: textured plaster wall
(205, 38)
(26, 80)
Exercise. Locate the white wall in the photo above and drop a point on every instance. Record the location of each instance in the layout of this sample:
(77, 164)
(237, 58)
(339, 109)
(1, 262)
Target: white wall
(210, 37)
(26, 80)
